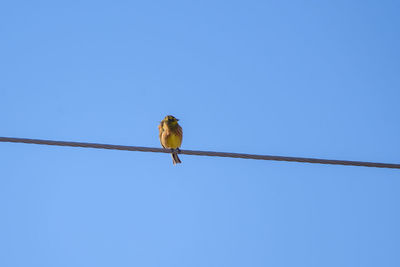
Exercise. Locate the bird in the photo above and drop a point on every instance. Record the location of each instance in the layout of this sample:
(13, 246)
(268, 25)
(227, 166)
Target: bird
(170, 134)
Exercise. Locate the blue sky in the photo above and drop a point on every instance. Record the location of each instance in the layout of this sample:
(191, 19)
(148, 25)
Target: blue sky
(291, 78)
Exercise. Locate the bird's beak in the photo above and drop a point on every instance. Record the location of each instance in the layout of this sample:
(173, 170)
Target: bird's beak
(177, 119)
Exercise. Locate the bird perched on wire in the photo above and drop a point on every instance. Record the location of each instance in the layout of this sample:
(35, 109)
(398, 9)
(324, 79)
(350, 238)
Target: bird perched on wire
(170, 133)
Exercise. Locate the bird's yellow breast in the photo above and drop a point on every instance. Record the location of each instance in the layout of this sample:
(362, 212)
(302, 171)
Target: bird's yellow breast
(173, 141)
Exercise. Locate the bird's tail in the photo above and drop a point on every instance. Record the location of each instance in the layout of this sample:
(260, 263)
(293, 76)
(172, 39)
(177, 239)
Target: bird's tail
(175, 158)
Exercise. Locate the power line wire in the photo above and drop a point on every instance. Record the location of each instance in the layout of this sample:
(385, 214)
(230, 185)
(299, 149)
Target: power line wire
(200, 153)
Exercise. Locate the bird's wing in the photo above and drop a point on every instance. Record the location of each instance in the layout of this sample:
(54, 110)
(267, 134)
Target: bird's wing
(179, 131)
(160, 132)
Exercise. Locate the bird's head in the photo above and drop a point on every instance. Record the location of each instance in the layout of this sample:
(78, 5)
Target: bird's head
(171, 120)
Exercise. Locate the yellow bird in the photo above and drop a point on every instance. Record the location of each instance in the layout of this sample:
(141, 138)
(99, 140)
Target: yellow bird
(170, 133)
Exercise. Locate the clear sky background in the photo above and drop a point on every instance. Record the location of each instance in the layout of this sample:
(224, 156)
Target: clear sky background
(291, 78)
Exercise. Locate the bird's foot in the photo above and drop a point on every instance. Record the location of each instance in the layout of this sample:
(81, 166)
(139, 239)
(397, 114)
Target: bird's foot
(175, 150)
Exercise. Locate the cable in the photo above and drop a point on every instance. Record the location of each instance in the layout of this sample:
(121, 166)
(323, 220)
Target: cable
(200, 153)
